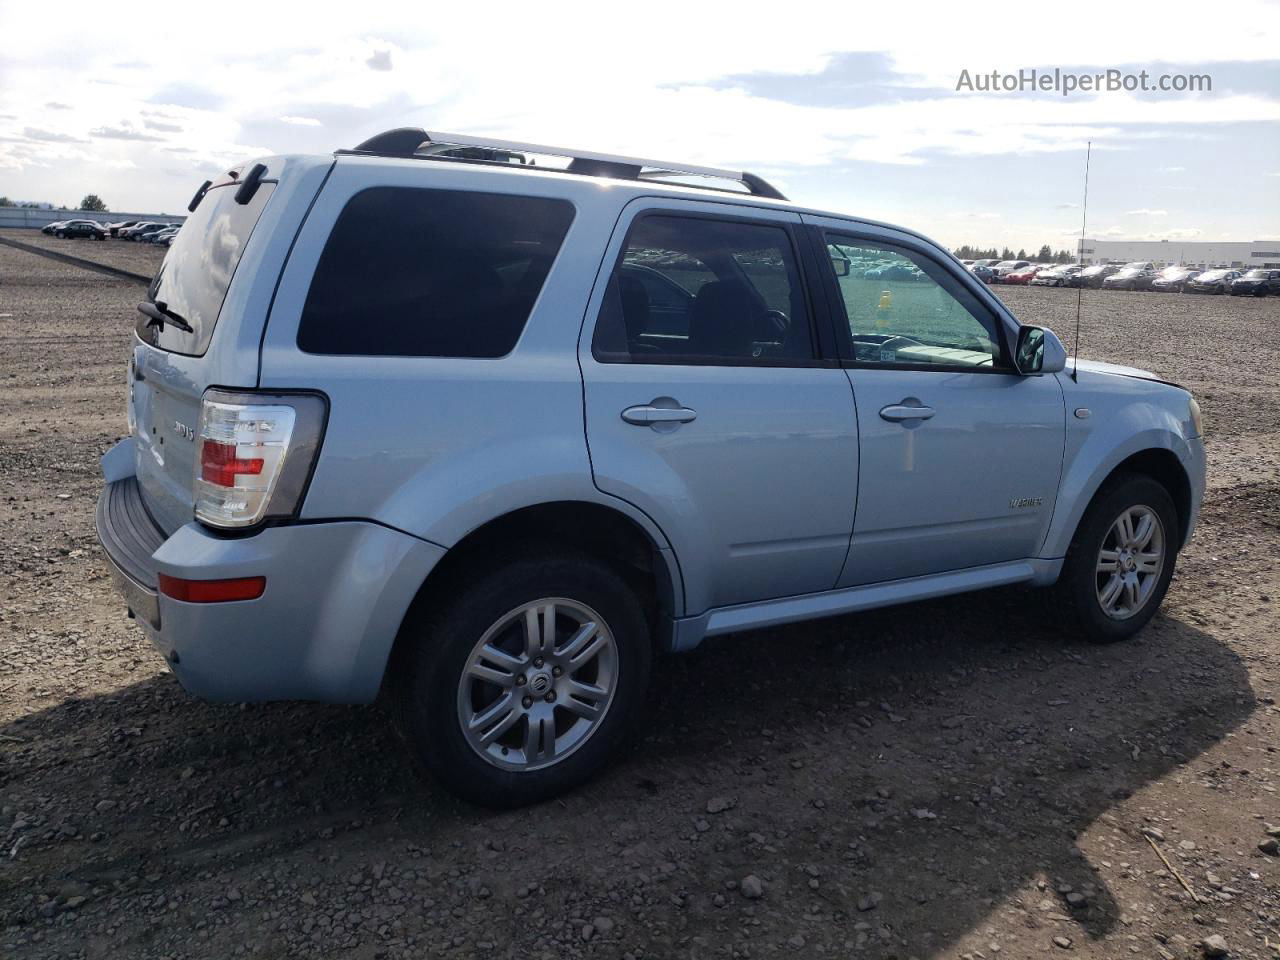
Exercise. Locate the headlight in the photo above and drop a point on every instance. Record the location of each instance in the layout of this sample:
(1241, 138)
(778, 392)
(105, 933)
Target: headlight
(1197, 420)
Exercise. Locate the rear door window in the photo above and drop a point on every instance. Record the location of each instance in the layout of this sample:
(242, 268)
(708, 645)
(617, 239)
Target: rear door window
(197, 270)
(697, 290)
(414, 272)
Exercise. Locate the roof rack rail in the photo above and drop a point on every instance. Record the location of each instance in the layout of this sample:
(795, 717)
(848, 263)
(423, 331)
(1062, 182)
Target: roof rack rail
(416, 142)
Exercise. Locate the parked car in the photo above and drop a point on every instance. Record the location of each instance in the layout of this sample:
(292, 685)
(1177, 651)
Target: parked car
(1094, 275)
(323, 492)
(1056, 276)
(1130, 278)
(983, 273)
(126, 233)
(145, 234)
(1008, 266)
(158, 236)
(894, 271)
(115, 228)
(80, 229)
(1021, 276)
(1173, 279)
(989, 263)
(1257, 283)
(1212, 281)
(138, 229)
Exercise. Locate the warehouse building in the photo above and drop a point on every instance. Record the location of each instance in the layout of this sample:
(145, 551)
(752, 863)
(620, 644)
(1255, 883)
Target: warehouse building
(1191, 253)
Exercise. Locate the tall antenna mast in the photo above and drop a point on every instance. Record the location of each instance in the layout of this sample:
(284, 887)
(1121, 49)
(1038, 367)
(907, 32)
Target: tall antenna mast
(1084, 220)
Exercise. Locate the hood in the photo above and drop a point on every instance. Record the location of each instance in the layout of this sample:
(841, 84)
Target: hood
(1115, 370)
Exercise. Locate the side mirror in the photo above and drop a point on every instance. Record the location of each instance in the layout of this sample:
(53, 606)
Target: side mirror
(1038, 351)
(841, 265)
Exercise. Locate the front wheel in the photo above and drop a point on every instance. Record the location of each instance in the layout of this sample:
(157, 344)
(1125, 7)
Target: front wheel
(528, 681)
(1121, 561)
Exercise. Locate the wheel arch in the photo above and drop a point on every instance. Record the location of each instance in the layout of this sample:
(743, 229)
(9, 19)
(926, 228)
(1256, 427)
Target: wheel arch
(1166, 469)
(1155, 458)
(601, 531)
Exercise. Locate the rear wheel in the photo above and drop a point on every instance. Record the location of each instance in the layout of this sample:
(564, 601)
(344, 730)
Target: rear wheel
(528, 681)
(1119, 565)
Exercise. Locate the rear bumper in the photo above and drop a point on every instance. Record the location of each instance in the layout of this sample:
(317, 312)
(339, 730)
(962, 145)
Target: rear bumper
(323, 629)
(129, 537)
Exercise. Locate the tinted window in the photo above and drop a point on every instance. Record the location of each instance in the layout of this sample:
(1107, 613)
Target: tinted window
(197, 270)
(905, 309)
(696, 290)
(431, 273)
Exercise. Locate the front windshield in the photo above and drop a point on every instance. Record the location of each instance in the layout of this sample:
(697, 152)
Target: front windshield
(1213, 275)
(1256, 275)
(1129, 272)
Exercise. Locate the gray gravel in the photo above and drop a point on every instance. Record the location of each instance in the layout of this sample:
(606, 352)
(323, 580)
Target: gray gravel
(956, 779)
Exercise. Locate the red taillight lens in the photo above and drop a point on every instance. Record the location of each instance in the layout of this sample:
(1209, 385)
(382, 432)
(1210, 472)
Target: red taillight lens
(219, 464)
(254, 455)
(212, 591)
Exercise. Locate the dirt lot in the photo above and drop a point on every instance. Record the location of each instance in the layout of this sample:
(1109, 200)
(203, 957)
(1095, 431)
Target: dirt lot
(954, 779)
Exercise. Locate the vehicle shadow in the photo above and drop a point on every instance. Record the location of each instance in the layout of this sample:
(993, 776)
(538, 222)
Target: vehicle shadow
(893, 777)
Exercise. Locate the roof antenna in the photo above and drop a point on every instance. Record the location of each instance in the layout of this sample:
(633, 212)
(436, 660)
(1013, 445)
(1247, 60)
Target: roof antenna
(1084, 220)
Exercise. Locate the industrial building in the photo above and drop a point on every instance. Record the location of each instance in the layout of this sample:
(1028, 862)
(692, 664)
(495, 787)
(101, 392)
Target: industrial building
(1192, 253)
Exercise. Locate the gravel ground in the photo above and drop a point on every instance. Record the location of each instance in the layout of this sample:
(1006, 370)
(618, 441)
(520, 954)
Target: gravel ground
(142, 258)
(953, 779)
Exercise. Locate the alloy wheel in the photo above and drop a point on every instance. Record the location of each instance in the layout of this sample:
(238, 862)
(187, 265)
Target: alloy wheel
(537, 684)
(1130, 562)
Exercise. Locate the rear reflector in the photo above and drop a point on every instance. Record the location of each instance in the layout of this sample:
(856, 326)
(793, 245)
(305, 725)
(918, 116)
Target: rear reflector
(212, 591)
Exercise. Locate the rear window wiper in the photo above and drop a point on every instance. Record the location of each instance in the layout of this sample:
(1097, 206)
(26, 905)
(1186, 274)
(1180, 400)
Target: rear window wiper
(158, 313)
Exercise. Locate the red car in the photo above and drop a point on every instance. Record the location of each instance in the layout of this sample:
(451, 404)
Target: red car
(1023, 275)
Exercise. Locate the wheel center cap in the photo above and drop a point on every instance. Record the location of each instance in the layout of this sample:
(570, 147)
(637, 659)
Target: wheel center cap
(539, 683)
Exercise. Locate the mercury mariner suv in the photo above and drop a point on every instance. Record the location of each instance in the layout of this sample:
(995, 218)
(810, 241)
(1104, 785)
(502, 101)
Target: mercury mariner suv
(487, 425)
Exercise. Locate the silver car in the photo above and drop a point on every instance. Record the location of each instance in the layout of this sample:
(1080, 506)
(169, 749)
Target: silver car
(427, 417)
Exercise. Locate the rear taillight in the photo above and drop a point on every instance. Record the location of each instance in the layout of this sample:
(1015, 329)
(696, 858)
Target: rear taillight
(255, 453)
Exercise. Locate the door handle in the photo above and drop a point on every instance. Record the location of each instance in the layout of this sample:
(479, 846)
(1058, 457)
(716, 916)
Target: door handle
(646, 415)
(898, 412)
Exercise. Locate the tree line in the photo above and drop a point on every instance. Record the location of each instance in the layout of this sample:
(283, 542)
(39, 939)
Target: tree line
(1044, 255)
(91, 202)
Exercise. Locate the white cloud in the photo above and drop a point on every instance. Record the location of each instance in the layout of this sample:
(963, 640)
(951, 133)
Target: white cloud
(246, 93)
(1144, 212)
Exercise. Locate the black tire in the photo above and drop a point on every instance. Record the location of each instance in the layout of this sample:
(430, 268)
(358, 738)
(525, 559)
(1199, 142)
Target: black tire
(61, 235)
(435, 644)
(1077, 587)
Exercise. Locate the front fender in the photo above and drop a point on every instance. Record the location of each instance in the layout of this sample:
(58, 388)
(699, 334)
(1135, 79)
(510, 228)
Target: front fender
(1096, 446)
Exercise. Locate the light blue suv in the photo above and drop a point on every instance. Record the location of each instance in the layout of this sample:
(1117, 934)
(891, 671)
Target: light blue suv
(487, 425)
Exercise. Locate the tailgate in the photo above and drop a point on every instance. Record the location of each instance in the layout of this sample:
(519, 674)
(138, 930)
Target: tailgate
(208, 307)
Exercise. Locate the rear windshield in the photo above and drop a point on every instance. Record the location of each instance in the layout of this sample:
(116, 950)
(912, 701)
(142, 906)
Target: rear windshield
(415, 272)
(197, 270)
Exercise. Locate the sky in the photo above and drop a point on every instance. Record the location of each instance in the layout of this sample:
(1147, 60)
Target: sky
(847, 107)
